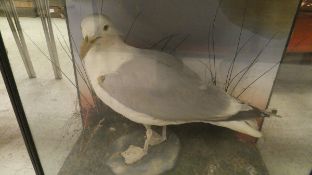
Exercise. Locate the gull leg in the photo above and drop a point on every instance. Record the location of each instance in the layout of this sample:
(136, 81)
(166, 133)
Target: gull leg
(135, 153)
(156, 138)
(149, 133)
(164, 133)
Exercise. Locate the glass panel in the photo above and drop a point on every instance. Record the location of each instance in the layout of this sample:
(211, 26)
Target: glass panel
(14, 157)
(164, 87)
(51, 105)
(292, 97)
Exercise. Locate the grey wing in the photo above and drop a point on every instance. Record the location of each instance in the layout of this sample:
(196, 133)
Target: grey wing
(166, 90)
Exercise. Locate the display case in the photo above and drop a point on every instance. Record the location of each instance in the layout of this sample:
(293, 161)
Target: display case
(121, 87)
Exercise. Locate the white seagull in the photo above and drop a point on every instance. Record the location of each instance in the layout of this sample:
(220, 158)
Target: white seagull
(153, 88)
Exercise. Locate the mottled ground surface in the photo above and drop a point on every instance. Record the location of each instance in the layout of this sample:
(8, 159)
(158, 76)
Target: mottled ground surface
(205, 149)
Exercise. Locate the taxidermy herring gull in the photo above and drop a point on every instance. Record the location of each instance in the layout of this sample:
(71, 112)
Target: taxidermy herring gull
(153, 88)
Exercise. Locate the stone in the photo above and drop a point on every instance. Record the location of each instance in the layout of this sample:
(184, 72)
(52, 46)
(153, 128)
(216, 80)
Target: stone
(159, 159)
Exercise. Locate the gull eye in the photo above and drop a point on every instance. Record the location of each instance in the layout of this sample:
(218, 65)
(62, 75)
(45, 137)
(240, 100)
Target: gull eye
(105, 28)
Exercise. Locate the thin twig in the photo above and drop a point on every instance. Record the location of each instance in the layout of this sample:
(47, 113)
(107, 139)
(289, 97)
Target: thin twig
(258, 79)
(102, 7)
(209, 54)
(85, 72)
(47, 57)
(63, 37)
(132, 25)
(236, 75)
(253, 62)
(213, 42)
(94, 131)
(180, 43)
(166, 43)
(75, 64)
(245, 43)
(161, 40)
(230, 70)
(207, 68)
(76, 48)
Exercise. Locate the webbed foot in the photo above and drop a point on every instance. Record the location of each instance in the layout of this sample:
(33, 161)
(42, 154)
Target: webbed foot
(133, 154)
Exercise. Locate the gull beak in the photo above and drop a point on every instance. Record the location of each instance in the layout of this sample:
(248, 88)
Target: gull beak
(86, 45)
(84, 48)
(86, 39)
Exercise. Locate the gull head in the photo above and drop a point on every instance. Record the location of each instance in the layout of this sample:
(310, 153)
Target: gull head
(95, 26)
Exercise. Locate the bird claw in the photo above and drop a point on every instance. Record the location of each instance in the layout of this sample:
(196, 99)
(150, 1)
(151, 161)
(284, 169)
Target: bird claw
(133, 154)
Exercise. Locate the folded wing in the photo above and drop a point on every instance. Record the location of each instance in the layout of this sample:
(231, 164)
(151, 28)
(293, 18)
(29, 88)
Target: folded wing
(159, 85)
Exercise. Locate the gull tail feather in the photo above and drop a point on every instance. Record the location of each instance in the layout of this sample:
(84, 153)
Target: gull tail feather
(240, 126)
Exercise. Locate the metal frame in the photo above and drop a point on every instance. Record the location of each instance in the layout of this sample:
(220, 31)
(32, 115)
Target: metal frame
(74, 61)
(10, 12)
(11, 87)
(44, 13)
(283, 55)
